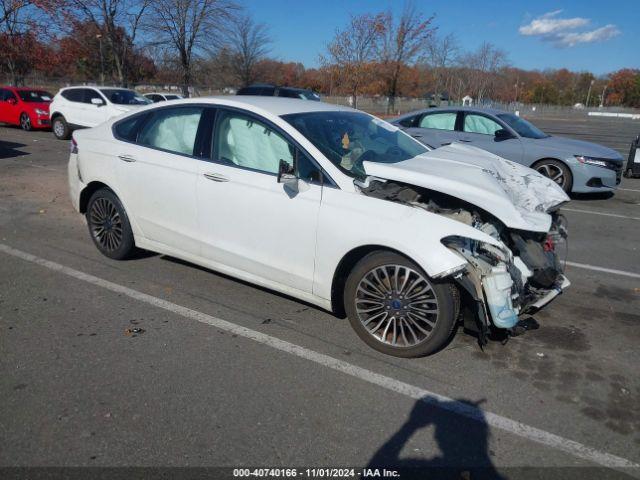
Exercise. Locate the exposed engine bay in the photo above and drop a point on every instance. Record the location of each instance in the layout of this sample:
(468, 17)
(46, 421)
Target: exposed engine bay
(519, 277)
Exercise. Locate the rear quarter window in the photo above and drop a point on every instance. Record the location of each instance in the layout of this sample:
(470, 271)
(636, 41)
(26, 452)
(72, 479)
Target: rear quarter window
(128, 128)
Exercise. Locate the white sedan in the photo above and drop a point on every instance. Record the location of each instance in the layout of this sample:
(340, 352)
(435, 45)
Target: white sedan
(329, 205)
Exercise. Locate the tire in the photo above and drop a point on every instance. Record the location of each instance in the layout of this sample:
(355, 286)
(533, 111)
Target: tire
(369, 281)
(556, 171)
(109, 226)
(60, 128)
(25, 122)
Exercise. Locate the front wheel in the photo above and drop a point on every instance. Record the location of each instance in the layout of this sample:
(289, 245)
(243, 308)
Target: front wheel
(60, 128)
(109, 225)
(395, 308)
(25, 122)
(556, 171)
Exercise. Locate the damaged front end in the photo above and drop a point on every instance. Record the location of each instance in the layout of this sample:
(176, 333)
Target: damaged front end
(519, 275)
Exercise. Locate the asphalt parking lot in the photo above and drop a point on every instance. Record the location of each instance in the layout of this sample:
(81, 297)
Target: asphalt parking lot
(222, 373)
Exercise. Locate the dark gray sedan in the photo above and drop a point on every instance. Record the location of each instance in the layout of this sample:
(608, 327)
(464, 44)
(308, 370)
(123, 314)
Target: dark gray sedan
(575, 165)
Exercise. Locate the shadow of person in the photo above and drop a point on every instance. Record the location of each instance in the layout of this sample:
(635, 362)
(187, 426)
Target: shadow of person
(461, 439)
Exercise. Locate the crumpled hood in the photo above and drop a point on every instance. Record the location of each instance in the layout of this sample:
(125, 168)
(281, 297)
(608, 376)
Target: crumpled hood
(517, 195)
(576, 147)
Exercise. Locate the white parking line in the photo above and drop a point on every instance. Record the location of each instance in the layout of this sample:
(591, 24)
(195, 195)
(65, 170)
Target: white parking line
(628, 190)
(600, 213)
(603, 269)
(497, 421)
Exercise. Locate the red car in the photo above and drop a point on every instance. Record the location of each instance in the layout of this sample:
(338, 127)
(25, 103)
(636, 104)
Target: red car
(27, 107)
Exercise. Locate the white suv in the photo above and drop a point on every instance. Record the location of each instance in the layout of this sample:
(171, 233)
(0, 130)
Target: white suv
(78, 107)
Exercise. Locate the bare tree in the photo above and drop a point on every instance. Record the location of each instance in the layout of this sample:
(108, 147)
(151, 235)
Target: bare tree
(249, 43)
(18, 23)
(403, 43)
(483, 66)
(118, 22)
(351, 51)
(443, 52)
(189, 28)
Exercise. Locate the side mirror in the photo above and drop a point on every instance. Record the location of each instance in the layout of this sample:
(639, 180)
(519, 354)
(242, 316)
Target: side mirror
(503, 134)
(288, 178)
(12, 101)
(97, 101)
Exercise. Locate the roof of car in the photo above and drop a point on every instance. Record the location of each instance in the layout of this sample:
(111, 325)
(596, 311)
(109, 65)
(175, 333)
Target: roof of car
(22, 89)
(275, 105)
(490, 111)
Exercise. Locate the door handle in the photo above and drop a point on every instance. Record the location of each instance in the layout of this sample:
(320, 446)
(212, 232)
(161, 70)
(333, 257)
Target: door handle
(465, 140)
(126, 158)
(445, 144)
(216, 177)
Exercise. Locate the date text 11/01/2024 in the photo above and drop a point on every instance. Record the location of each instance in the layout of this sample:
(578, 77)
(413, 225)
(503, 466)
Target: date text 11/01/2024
(316, 473)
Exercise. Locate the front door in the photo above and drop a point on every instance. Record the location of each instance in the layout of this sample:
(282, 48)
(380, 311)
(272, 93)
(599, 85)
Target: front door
(248, 220)
(479, 131)
(94, 114)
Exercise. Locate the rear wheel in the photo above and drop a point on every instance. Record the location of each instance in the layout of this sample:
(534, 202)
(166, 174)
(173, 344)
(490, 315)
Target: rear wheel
(396, 308)
(25, 122)
(60, 128)
(556, 171)
(109, 225)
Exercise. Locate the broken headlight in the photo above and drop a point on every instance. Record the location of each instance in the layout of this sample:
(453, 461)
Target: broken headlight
(470, 248)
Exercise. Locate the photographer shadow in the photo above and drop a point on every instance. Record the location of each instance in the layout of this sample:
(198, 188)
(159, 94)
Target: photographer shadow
(462, 441)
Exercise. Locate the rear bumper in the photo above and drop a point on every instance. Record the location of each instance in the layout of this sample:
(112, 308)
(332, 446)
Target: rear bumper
(75, 181)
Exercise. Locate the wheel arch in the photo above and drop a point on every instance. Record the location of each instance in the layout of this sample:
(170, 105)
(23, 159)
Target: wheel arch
(559, 160)
(89, 190)
(345, 266)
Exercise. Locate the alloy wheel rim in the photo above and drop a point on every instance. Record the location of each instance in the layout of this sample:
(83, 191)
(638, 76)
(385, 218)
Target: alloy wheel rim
(58, 128)
(396, 305)
(106, 224)
(25, 122)
(552, 172)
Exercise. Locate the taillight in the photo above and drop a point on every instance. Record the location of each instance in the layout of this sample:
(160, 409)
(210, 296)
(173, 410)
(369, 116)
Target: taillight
(74, 145)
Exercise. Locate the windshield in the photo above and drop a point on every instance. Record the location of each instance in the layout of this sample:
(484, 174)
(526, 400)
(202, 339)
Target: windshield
(308, 95)
(349, 138)
(122, 96)
(39, 96)
(172, 97)
(520, 125)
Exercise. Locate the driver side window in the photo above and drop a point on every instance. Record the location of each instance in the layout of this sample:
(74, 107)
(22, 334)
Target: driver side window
(480, 124)
(243, 141)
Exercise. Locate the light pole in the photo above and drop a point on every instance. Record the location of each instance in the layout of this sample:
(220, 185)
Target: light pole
(603, 93)
(99, 37)
(589, 93)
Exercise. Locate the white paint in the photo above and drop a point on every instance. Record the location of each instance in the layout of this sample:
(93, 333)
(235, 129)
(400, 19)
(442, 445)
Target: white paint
(632, 116)
(615, 215)
(513, 427)
(629, 189)
(603, 269)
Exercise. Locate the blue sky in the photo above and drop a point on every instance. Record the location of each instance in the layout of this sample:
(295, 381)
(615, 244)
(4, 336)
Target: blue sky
(580, 35)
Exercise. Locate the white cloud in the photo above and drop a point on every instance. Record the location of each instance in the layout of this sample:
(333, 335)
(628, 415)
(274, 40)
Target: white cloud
(565, 32)
(598, 35)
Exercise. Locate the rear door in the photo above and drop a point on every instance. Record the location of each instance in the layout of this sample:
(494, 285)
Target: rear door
(158, 165)
(435, 129)
(479, 130)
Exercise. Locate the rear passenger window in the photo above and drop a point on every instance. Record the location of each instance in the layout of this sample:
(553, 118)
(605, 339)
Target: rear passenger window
(74, 94)
(172, 129)
(439, 121)
(128, 129)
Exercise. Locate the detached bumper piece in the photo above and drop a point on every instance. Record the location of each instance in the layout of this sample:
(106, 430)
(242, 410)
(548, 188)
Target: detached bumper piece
(550, 295)
(632, 170)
